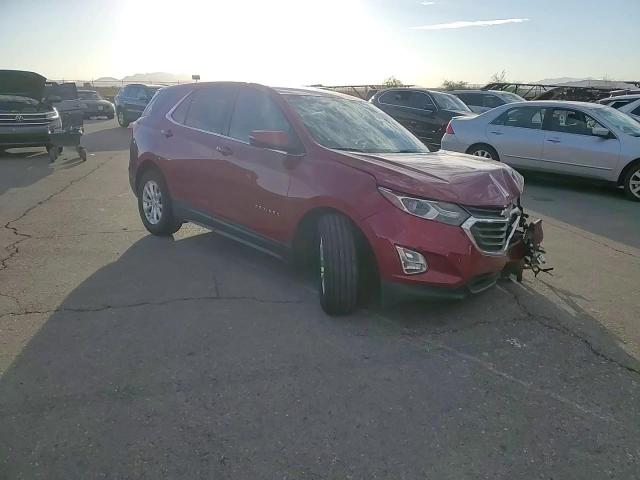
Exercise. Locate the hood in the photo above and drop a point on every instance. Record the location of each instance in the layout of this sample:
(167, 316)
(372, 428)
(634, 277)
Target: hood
(23, 84)
(447, 176)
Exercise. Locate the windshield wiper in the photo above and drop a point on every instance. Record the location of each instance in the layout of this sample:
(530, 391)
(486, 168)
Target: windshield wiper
(349, 149)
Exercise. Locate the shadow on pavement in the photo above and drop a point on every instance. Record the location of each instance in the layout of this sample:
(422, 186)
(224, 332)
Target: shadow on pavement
(107, 140)
(198, 357)
(22, 167)
(595, 207)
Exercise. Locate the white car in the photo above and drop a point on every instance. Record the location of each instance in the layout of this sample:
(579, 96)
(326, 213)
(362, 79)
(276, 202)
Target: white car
(629, 104)
(572, 138)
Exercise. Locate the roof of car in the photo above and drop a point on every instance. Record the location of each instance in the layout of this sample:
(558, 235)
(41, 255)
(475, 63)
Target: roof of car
(622, 97)
(144, 85)
(556, 103)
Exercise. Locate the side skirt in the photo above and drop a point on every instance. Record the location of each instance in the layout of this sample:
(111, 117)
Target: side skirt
(233, 231)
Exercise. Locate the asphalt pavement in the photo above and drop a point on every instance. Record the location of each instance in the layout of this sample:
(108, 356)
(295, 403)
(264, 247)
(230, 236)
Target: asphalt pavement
(124, 356)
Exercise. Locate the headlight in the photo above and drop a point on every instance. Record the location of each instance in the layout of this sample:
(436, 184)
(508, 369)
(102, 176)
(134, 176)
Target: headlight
(443, 212)
(52, 115)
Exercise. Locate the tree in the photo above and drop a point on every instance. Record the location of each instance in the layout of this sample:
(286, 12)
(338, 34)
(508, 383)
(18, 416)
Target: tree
(499, 77)
(392, 82)
(454, 85)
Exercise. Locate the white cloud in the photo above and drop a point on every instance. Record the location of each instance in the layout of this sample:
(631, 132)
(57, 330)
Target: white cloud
(466, 24)
(428, 3)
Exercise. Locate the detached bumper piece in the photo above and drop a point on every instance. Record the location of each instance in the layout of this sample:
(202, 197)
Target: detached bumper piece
(526, 251)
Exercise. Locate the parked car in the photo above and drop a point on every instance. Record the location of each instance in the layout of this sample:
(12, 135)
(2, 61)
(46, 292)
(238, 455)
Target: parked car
(95, 105)
(425, 113)
(480, 101)
(312, 174)
(131, 100)
(629, 104)
(25, 119)
(573, 138)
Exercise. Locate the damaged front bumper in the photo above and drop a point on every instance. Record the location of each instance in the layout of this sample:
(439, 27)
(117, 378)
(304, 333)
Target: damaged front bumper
(525, 249)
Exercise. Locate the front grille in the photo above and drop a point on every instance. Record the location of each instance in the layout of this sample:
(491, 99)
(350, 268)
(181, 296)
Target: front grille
(11, 119)
(491, 227)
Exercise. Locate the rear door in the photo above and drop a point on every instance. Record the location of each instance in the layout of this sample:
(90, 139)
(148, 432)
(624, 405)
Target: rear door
(570, 146)
(261, 175)
(518, 137)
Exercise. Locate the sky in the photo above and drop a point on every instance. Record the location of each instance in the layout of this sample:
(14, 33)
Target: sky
(329, 42)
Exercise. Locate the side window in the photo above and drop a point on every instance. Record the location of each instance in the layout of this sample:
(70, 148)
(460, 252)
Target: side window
(399, 98)
(570, 121)
(465, 97)
(180, 113)
(210, 108)
(475, 99)
(636, 111)
(421, 100)
(491, 101)
(619, 103)
(255, 110)
(522, 117)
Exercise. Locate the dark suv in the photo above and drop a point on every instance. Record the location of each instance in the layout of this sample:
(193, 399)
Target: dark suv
(425, 113)
(131, 100)
(329, 179)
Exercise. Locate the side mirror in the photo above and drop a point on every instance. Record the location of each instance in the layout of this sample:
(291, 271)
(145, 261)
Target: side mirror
(601, 132)
(274, 139)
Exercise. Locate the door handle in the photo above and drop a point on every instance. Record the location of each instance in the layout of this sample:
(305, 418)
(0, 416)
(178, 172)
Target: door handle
(166, 133)
(498, 133)
(224, 150)
(553, 140)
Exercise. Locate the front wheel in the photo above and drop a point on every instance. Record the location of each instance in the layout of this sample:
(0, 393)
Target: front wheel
(337, 265)
(155, 206)
(632, 183)
(484, 151)
(122, 119)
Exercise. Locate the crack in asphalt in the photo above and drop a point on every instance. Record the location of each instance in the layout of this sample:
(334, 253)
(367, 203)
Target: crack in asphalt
(102, 308)
(551, 325)
(12, 248)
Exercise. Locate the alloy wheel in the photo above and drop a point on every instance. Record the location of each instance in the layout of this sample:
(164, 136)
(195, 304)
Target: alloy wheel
(482, 153)
(152, 202)
(634, 183)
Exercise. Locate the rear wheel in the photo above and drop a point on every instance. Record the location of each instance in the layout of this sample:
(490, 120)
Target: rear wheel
(122, 119)
(155, 206)
(484, 151)
(632, 183)
(337, 265)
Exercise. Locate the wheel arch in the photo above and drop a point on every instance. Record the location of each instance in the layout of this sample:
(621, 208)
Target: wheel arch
(144, 167)
(625, 170)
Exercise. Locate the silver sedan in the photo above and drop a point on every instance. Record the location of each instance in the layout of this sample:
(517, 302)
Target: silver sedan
(571, 138)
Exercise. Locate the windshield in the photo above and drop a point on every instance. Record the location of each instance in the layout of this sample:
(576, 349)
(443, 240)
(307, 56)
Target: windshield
(89, 96)
(449, 102)
(620, 120)
(510, 97)
(17, 104)
(353, 125)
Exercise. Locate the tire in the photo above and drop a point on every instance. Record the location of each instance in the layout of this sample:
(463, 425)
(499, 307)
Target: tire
(632, 183)
(337, 265)
(122, 118)
(484, 151)
(153, 193)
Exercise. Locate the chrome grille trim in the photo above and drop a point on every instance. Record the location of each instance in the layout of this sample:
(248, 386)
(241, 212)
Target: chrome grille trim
(490, 231)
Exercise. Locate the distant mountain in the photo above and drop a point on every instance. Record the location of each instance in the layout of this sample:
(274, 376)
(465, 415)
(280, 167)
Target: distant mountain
(106, 79)
(160, 77)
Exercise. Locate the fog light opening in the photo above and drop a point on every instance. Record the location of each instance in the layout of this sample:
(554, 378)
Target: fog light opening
(412, 262)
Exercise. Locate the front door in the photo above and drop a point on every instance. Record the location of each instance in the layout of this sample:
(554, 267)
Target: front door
(571, 147)
(263, 174)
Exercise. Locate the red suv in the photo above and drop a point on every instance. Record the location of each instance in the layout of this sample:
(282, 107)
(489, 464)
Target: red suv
(318, 175)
